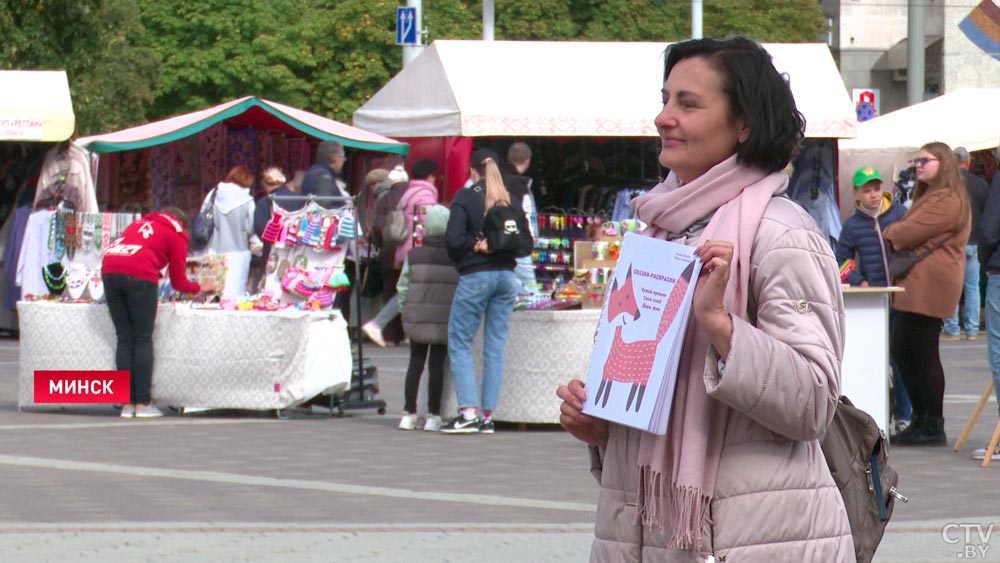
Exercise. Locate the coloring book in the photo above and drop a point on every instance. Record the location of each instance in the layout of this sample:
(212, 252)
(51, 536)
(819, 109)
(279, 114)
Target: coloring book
(647, 306)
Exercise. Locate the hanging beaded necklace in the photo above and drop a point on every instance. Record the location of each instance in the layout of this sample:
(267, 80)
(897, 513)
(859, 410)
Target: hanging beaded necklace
(55, 282)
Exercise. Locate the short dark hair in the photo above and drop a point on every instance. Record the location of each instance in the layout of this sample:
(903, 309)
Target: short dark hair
(755, 91)
(181, 217)
(423, 168)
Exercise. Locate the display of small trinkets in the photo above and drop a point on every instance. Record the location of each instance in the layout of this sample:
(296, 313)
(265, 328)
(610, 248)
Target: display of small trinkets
(85, 233)
(306, 264)
(317, 228)
(210, 268)
(553, 253)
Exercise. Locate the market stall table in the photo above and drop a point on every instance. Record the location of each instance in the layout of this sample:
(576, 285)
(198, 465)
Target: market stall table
(547, 348)
(205, 358)
(544, 350)
(865, 371)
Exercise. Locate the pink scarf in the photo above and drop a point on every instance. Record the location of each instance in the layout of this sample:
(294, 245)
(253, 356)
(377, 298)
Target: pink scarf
(735, 197)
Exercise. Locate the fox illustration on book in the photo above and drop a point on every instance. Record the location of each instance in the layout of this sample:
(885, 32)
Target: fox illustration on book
(632, 362)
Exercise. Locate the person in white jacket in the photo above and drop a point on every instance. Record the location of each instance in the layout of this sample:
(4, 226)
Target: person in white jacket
(233, 232)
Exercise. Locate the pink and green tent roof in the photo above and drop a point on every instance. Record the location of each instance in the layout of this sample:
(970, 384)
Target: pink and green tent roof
(249, 111)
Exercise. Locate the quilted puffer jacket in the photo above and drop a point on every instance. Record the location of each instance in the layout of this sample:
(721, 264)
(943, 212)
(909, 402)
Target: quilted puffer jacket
(775, 500)
(862, 236)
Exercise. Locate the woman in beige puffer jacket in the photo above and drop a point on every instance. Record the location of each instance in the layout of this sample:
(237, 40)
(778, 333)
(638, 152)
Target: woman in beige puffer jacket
(768, 322)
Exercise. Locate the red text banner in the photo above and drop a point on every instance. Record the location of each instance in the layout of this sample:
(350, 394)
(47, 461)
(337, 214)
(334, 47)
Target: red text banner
(82, 386)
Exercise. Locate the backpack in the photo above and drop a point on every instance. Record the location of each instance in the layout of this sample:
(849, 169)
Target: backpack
(856, 452)
(502, 232)
(397, 227)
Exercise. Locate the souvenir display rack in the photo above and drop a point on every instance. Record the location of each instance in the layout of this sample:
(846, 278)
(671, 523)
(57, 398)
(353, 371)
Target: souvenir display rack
(306, 261)
(65, 247)
(361, 394)
(554, 246)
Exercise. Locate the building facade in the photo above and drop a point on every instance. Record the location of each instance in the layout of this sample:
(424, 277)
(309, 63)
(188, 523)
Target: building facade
(869, 42)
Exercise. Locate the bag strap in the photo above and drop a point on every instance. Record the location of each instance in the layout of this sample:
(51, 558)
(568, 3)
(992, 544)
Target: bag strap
(935, 247)
(211, 202)
(405, 201)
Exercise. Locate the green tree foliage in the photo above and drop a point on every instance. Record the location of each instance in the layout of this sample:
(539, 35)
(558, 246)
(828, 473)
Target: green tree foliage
(215, 50)
(100, 45)
(354, 46)
(327, 56)
(773, 21)
(785, 21)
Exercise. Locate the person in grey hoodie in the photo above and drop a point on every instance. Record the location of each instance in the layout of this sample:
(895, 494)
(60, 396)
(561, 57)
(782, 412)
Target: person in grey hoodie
(426, 288)
(234, 210)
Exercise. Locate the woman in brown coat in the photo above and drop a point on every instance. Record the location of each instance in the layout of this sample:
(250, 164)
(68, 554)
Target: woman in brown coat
(940, 215)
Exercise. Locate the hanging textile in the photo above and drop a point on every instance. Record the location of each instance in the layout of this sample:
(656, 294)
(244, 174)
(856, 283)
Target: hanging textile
(36, 253)
(279, 149)
(299, 155)
(12, 251)
(188, 191)
(211, 157)
(242, 148)
(163, 173)
(66, 175)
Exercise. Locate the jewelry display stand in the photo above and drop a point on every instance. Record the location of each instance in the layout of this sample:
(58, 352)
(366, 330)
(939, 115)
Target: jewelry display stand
(361, 394)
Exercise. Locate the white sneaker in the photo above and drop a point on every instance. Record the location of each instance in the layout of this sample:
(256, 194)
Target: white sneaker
(432, 423)
(408, 421)
(147, 411)
(374, 333)
(128, 411)
(901, 425)
(981, 454)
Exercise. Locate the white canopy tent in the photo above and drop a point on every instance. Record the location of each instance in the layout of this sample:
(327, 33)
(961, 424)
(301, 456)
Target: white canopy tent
(35, 105)
(564, 89)
(967, 118)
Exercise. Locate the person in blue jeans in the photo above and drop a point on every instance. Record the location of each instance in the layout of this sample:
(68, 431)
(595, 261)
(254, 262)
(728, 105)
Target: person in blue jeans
(485, 295)
(861, 238)
(989, 245)
(978, 191)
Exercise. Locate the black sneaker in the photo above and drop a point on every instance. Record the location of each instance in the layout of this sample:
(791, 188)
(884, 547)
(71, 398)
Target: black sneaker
(459, 425)
(486, 426)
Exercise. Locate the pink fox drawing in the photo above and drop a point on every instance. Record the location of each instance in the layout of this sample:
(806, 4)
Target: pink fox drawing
(632, 362)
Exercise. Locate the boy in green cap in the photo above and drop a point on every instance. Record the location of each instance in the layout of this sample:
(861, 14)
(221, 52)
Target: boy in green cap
(861, 239)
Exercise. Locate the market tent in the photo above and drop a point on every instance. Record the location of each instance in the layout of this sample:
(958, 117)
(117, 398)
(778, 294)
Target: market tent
(562, 89)
(35, 105)
(967, 118)
(250, 111)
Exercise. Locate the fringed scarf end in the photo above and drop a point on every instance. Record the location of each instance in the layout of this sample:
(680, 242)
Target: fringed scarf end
(651, 489)
(688, 509)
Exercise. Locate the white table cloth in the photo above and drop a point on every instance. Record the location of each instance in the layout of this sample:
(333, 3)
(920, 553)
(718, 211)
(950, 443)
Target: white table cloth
(202, 358)
(545, 349)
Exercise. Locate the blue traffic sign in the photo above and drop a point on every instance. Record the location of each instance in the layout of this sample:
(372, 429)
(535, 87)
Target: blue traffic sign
(406, 26)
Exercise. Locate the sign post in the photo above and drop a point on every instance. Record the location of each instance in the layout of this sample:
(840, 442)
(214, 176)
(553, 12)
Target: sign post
(406, 25)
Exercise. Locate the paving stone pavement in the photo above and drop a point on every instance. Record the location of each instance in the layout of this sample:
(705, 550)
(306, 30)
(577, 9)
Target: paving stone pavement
(83, 485)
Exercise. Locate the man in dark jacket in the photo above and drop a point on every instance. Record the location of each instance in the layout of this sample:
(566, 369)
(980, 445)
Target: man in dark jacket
(321, 178)
(978, 191)
(519, 185)
(989, 256)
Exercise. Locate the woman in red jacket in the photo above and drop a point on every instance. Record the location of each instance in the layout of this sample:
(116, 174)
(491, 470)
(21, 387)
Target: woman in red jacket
(131, 271)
